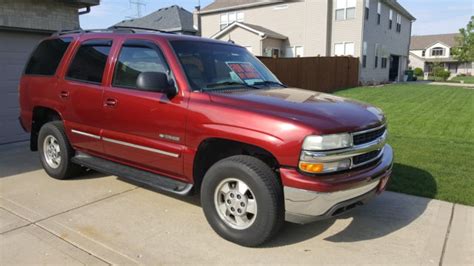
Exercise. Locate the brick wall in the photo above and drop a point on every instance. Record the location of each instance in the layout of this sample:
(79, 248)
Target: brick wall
(49, 15)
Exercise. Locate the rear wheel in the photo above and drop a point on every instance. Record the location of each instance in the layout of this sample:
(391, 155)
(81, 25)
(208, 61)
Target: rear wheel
(56, 152)
(242, 199)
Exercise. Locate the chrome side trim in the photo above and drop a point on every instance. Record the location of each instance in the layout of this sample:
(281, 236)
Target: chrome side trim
(175, 155)
(85, 134)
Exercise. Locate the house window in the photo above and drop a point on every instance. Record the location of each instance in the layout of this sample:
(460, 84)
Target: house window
(345, 9)
(345, 48)
(294, 51)
(379, 11)
(437, 51)
(376, 55)
(384, 62)
(399, 23)
(364, 55)
(367, 9)
(390, 19)
(229, 18)
(423, 53)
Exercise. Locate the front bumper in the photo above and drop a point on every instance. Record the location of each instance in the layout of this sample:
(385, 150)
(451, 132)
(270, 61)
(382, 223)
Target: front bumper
(304, 206)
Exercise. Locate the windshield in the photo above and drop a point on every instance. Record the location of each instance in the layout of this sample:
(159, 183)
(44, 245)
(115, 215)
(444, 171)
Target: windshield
(213, 65)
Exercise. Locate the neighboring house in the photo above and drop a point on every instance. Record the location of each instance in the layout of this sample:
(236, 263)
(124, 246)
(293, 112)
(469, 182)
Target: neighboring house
(430, 49)
(22, 24)
(170, 19)
(376, 31)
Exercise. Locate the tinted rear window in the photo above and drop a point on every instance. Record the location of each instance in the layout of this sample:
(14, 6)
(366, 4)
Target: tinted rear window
(89, 62)
(45, 59)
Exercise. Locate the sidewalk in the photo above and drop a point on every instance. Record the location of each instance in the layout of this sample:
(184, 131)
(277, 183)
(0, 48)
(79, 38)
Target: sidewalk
(100, 219)
(453, 84)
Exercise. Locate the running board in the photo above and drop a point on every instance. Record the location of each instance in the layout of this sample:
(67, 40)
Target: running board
(133, 174)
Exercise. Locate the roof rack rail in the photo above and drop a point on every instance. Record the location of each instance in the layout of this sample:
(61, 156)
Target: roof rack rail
(137, 29)
(110, 29)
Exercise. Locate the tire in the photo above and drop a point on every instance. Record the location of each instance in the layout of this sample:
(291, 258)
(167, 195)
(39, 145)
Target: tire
(264, 188)
(57, 163)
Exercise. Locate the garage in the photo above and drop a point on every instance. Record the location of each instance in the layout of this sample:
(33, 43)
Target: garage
(23, 23)
(15, 47)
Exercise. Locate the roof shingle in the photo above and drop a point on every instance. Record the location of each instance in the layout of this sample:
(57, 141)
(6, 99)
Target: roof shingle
(171, 19)
(422, 42)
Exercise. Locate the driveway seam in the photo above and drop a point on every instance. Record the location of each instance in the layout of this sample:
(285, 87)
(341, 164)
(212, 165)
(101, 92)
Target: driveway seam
(63, 212)
(72, 244)
(447, 235)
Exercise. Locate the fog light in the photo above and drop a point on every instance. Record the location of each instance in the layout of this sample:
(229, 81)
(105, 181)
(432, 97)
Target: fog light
(327, 167)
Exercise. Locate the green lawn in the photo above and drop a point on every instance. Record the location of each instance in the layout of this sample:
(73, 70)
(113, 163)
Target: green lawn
(431, 131)
(465, 79)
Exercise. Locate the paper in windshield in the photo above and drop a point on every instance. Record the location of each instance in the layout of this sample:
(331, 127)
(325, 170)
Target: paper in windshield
(245, 71)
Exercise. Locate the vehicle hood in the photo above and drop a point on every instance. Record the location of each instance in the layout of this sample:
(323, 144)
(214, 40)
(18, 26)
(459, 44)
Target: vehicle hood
(325, 113)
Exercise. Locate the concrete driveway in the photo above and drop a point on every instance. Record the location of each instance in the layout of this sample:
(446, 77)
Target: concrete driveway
(100, 219)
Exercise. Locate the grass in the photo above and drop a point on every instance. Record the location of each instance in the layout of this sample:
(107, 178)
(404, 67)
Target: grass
(467, 79)
(431, 131)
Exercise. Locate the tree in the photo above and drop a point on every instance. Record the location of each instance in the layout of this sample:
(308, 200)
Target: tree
(464, 50)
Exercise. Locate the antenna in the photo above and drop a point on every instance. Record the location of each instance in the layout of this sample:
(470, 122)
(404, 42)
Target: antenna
(137, 5)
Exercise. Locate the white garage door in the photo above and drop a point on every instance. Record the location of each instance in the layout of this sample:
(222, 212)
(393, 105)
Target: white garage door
(15, 47)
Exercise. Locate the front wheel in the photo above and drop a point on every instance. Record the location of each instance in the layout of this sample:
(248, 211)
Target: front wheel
(242, 199)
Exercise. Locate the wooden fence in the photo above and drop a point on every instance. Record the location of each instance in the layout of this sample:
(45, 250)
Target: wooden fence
(326, 74)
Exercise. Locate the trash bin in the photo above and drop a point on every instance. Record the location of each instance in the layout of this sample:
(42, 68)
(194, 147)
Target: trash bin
(409, 74)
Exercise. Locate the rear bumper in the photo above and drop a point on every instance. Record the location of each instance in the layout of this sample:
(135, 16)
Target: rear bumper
(304, 206)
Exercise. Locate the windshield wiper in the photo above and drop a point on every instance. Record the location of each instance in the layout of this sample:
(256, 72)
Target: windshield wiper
(269, 82)
(230, 83)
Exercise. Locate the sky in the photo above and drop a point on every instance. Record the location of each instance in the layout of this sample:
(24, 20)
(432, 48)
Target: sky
(432, 16)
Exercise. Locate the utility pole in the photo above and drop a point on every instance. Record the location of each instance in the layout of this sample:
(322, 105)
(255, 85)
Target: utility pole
(137, 5)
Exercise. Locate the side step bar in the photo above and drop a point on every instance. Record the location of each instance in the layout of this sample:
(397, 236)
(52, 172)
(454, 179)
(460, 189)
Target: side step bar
(133, 174)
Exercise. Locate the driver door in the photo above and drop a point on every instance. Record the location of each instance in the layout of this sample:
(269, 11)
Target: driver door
(144, 129)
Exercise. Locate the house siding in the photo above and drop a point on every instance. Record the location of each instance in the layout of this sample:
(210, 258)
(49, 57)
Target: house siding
(245, 37)
(292, 21)
(395, 43)
(348, 30)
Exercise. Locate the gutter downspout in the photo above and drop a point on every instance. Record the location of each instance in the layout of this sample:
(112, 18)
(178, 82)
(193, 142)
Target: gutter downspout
(88, 10)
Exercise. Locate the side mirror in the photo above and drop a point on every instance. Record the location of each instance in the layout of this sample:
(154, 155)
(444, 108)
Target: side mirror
(156, 81)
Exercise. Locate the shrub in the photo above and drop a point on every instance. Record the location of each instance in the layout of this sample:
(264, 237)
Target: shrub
(441, 73)
(418, 72)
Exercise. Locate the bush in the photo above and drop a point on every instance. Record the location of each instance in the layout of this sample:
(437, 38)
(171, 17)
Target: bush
(418, 72)
(441, 73)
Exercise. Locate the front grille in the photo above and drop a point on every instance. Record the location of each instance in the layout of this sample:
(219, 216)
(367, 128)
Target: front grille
(361, 138)
(366, 157)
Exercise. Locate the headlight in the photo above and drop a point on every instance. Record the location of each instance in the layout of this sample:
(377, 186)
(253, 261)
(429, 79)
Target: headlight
(327, 142)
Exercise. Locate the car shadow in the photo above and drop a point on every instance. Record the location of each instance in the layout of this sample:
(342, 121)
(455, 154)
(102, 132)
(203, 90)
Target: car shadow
(16, 158)
(387, 213)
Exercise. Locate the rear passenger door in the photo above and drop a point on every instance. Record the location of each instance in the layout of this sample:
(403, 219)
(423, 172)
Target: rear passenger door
(142, 128)
(81, 91)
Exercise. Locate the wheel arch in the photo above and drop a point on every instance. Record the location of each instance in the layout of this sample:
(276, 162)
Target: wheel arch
(41, 115)
(214, 149)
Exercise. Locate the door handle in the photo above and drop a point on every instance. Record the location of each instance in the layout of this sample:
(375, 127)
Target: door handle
(110, 102)
(64, 94)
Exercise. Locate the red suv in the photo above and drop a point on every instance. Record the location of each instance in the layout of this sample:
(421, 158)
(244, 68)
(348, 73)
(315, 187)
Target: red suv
(185, 114)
